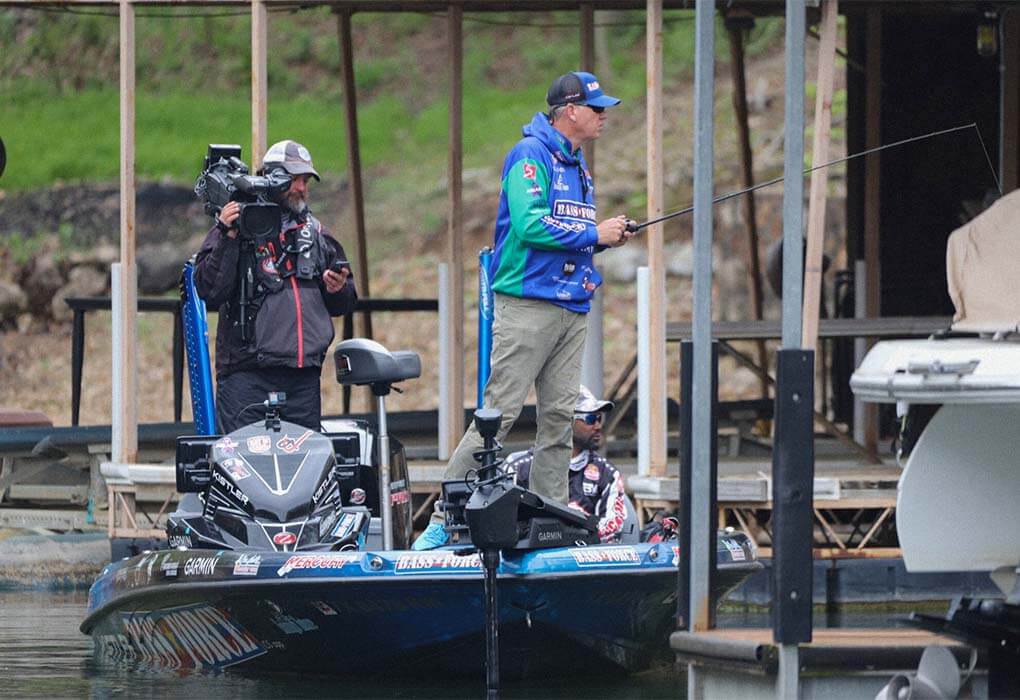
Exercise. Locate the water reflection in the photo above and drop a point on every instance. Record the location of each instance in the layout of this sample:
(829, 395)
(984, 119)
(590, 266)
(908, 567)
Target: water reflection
(42, 654)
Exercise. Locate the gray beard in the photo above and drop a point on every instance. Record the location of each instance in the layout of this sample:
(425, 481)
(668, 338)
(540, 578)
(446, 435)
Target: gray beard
(299, 208)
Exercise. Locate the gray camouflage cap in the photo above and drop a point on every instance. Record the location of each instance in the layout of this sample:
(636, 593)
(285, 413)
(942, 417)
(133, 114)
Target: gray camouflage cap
(292, 157)
(587, 403)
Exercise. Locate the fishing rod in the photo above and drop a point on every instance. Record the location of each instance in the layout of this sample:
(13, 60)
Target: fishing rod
(635, 227)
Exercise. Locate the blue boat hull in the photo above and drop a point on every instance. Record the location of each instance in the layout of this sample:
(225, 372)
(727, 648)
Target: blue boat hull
(394, 612)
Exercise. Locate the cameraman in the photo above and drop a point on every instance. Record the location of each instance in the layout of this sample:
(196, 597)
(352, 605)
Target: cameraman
(298, 280)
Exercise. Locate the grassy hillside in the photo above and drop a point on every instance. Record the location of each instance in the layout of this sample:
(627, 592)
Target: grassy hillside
(59, 115)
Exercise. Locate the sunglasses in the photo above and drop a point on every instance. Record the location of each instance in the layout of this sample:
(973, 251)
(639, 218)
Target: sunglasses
(589, 418)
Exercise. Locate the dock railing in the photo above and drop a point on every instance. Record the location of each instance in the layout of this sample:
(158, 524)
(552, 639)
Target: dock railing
(81, 306)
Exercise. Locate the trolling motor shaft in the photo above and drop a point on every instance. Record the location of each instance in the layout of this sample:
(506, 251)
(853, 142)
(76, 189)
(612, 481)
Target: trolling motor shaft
(489, 485)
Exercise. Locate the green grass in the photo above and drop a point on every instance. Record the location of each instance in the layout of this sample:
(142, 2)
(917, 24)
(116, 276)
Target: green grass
(59, 117)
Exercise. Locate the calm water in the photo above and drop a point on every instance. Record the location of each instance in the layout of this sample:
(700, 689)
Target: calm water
(42, 654)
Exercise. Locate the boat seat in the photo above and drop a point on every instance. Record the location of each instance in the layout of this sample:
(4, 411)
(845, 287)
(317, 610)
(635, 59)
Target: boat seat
(360, 361)
(981, 261)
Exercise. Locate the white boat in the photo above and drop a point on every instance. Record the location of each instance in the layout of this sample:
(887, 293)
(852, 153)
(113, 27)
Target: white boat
(958, 505)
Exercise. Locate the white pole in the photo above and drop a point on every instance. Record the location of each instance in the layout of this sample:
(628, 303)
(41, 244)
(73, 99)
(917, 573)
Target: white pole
(445, 447)
(117, 451)
(644, 368)
(860, 344)
(591, 361)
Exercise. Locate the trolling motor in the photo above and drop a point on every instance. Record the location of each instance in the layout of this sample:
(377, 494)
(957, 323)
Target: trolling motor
(502, 516)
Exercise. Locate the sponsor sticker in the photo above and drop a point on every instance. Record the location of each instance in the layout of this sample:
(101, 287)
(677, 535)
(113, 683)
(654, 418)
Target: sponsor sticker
(357, 496)
(530, 171)
(284, 538)
(197, 636)
(235, 467)
(200, 566)
(735, 550)
(605, 556)
(176, 541)
(231, 490)
(427, 562)
(259, 444)
(676, 555)
(326, 561)
(169, 568)
(247, 565)
(400, 497)
(323, 607)
(346, 525)
(291, 445)
(226, 444)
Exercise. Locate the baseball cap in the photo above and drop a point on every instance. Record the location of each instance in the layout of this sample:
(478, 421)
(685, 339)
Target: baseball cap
(291, 156)
(578, 88)
(587, 403)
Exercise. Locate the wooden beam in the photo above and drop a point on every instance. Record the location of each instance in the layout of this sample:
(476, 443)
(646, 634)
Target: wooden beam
(259, 81)
(656, 257)
(354, 160)
(819, 178)
(125, 449)
(736, 35)
(872, 191)
(455, 229)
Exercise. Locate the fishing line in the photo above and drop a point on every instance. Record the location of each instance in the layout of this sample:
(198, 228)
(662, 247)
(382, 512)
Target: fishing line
(634, 227)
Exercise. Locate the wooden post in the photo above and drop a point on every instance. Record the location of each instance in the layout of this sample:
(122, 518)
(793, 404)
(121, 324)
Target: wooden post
(592, 361)
(455, 230)
(1009, 120)
(259, 81)
(354, 159)
(735, 27)
(125, 448)
(872, 190)
(819, 178)
(587, 13)
(656, 258)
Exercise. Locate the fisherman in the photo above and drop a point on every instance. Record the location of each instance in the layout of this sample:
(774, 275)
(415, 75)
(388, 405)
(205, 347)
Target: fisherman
(300, 280)
(596, 486)
(543, 278)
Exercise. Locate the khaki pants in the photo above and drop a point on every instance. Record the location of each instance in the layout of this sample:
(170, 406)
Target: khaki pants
(533, 342)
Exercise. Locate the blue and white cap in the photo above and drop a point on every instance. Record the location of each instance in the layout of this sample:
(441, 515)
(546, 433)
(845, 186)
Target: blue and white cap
(578, 88)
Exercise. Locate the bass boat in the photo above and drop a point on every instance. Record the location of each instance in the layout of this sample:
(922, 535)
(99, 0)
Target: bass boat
(289, 551)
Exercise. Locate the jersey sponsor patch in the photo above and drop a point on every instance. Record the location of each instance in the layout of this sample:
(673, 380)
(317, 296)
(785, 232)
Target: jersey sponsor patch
(530, 171)
(591, 472)
(569, 209)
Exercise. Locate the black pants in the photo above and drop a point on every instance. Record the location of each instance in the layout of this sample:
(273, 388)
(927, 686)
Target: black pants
(239, 396)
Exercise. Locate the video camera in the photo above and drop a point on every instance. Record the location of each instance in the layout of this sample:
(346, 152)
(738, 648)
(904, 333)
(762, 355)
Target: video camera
(225, 178)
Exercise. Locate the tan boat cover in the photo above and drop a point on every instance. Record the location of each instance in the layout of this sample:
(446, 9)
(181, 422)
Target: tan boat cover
(983, 269)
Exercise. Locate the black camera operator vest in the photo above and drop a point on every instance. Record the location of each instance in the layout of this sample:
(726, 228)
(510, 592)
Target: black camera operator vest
(296, 251)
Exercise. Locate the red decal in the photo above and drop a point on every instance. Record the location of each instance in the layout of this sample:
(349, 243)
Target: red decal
(530, 171)
(289, 444)
(284, 538)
